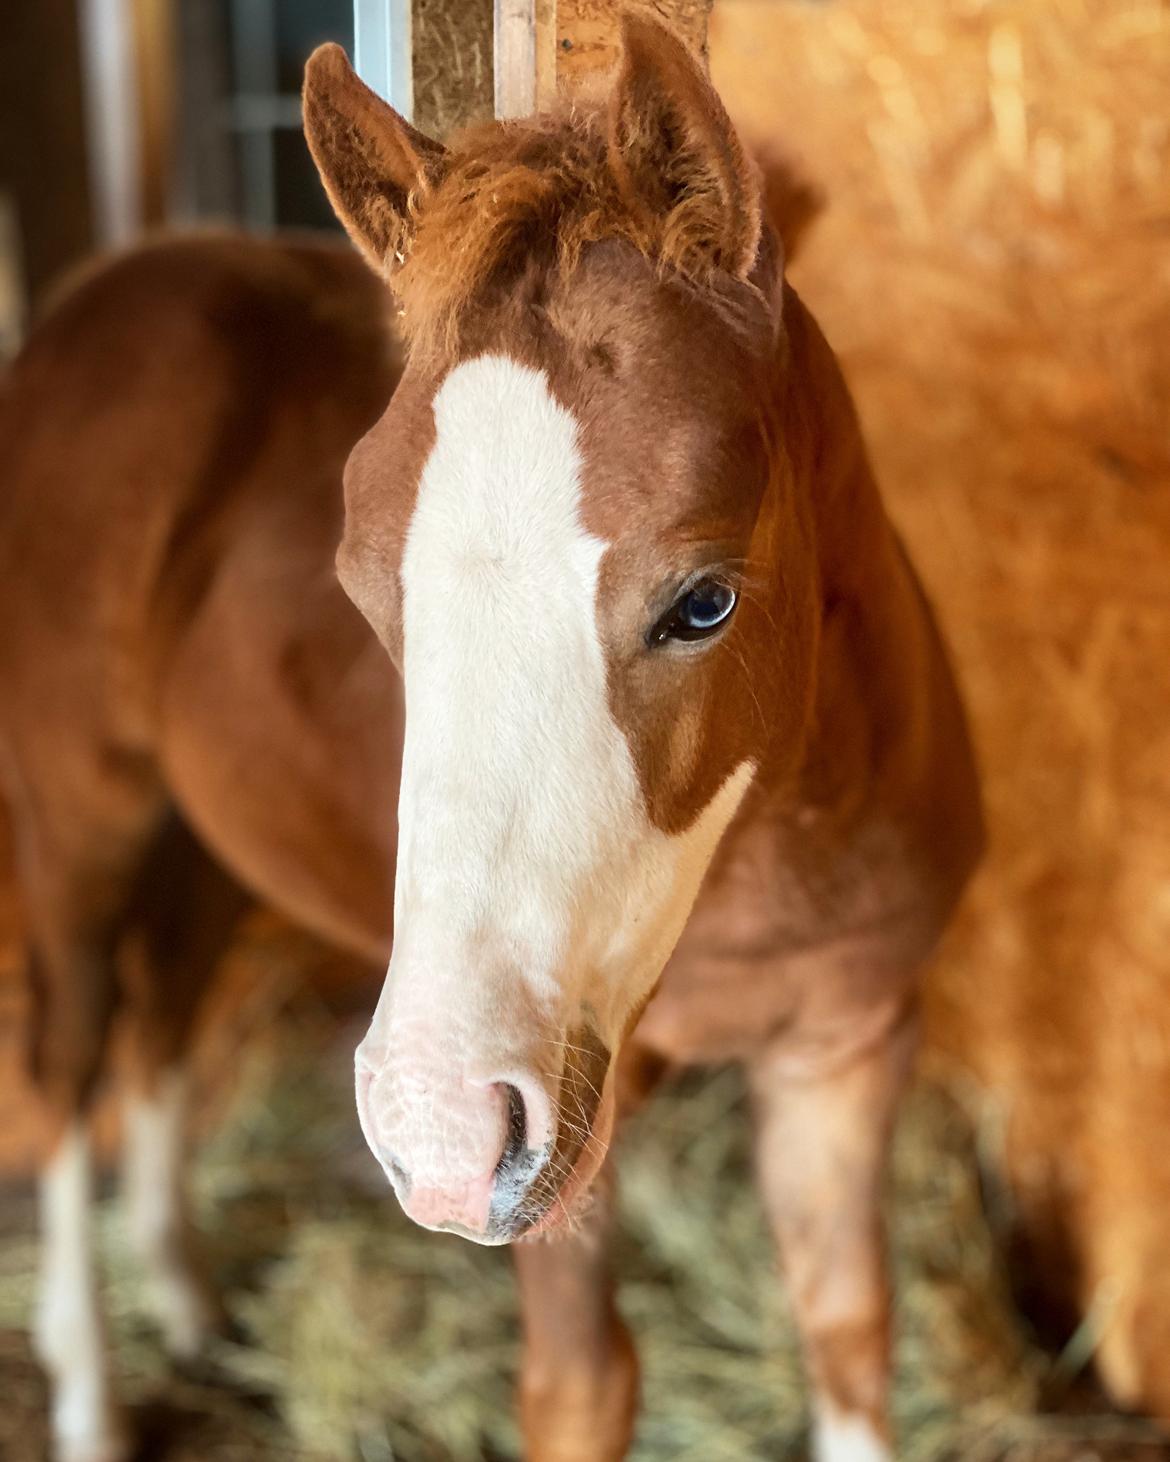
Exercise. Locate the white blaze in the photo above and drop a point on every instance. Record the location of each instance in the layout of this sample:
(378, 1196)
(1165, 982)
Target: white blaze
(515, 780)
(530, 878)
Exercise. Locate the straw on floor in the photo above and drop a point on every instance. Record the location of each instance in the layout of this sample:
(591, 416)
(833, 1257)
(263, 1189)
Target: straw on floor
(364, 1337)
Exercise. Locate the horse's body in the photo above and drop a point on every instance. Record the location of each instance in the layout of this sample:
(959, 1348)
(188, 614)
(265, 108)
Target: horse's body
(172, 439)
(172, 443)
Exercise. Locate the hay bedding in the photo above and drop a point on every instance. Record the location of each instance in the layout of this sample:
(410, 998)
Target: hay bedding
(365, 1338)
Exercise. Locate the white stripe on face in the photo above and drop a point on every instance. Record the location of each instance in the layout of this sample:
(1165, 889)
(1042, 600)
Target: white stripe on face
(513, 768)
(530, 879)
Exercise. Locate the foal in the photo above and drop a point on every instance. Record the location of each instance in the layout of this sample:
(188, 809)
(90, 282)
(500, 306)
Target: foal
(618, 531)
(680, 768)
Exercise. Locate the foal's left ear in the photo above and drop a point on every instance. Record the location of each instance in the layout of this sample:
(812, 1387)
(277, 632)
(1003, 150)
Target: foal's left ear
(371, 160)
(675, 156)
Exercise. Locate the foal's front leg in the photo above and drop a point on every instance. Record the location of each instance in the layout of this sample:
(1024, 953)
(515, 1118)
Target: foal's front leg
(190, 910)
(184, 1304)
(579, 1380)
(825, 1111)
(579, 1383)
(74, 996)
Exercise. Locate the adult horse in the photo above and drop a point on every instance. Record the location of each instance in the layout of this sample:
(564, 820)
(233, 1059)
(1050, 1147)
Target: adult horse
(681, 771)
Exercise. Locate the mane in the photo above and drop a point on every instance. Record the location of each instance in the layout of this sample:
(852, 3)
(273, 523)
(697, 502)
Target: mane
(514, 195)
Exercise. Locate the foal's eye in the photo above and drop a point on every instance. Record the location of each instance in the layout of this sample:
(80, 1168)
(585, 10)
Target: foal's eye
(704, 608)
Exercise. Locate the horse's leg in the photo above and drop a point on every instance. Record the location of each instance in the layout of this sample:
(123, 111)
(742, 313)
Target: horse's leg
(73, 925)
(185, 912)
(69, 1335)
(579, 1380)
(825, 1115)
(83, 812)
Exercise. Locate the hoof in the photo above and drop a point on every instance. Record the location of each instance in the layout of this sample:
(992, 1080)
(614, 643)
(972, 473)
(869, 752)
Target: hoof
(191, 1317)
(109, 1450)
(86, 1424)
(111, 1445)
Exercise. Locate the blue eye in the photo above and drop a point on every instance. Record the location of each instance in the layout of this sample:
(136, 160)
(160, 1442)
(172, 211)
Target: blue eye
(703, 609)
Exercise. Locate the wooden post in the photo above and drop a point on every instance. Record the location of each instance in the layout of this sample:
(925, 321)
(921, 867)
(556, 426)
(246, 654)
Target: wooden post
(541, 48)
(546, 53)
(515, 58)
(44, 171)
(157, 84)
(112, 120)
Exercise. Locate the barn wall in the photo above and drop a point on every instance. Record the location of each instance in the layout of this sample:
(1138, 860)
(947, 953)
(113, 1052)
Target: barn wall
(452, 64)
(587, 34)
(994, 270)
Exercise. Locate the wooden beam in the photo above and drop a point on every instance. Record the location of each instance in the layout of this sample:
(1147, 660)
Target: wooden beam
(551, 48)
(515, 58)
(431, 51)
(44, 171)
(155, 68)
(112, 120)
(546, 54)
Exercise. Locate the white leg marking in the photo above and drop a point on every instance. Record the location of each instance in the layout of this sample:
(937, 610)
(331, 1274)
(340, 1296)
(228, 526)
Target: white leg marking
(844, 1438)
(69, 1333)
(157, 1216)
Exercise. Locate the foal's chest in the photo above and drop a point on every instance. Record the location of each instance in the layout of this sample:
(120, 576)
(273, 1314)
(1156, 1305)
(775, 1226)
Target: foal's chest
(795, 926)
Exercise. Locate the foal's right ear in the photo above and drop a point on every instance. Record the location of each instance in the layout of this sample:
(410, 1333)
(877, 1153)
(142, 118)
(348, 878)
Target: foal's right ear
(371, 160)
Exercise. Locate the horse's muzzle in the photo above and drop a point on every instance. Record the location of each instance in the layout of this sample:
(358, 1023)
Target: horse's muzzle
(461, 1154)
(489, 1159)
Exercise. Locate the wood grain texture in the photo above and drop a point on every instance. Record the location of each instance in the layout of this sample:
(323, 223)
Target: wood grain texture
(546, 53)
(587, 35)
(515, 57)
(452, 64)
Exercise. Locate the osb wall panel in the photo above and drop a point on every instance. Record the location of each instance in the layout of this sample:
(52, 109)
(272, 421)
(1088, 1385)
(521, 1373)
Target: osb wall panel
(452, 63)
(587, 34)
(993, 269)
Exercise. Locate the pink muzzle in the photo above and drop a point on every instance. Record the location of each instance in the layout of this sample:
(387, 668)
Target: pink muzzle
(458, 1150)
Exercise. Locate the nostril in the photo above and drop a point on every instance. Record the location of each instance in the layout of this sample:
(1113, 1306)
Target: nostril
(516, 1141)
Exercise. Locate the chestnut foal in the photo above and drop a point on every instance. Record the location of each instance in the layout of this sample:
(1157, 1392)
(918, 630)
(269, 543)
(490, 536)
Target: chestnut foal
(681, 771)
(618, 531)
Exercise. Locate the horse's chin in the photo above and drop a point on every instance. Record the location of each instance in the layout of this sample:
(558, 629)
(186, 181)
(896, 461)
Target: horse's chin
(572, 1199)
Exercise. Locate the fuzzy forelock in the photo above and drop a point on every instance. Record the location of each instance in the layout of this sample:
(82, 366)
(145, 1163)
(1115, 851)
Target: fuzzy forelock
(540, 191)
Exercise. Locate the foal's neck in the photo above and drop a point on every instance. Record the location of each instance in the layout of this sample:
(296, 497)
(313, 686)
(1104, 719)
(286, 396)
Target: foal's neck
(852, 532)
(882, 677)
